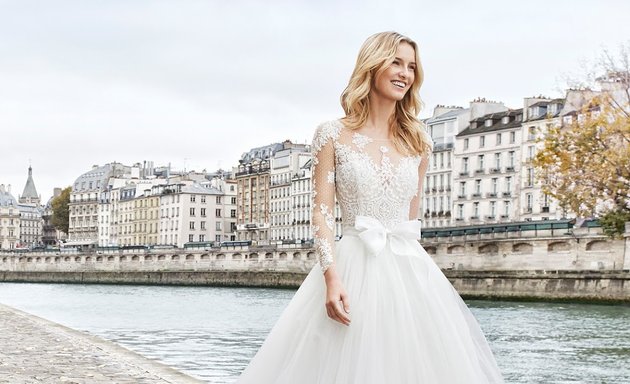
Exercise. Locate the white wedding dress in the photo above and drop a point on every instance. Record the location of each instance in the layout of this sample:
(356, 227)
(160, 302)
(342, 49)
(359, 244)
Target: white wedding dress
(408, 324)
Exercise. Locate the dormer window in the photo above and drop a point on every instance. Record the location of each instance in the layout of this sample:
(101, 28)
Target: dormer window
(505, 119)
(488, 123)
(473, 125)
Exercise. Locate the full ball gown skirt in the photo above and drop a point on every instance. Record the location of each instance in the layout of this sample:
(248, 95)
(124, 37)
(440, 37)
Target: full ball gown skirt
(409, 325)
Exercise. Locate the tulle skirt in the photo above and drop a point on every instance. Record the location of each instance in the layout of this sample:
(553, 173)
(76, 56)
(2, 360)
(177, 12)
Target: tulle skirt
(408, 325)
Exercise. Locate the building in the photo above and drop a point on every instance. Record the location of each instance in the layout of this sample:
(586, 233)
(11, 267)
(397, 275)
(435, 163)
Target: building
(226, 183)
(189, 213)
(9, 219)
(253, 183)
(443, 127)
(301, 196)
(84, 209)
(487, 169)
(285, 164)
(31, 212)
(51, 236)
(539, 115)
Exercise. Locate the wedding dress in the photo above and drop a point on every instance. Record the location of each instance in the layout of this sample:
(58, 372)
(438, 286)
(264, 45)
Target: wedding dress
(408, 324)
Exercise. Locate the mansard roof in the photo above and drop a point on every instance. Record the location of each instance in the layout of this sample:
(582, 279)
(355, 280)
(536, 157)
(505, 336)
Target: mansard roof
(7, 199)
(478, 125)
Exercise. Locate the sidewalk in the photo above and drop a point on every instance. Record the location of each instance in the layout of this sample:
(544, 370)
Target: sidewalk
(34, 350)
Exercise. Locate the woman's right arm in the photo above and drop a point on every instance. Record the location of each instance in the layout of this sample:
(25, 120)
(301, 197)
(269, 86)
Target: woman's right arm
(323, 218)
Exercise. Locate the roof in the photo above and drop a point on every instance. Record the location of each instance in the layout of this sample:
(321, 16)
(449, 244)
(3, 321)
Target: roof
(199, 189)
(515, 121)
(30, 192)
(7, 199)
(447, 115)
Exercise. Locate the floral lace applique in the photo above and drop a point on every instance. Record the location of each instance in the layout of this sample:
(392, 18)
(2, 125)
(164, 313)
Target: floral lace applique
(360, 140)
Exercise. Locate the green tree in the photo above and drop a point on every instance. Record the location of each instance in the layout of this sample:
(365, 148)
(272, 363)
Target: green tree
(585, 163)
(61, 216)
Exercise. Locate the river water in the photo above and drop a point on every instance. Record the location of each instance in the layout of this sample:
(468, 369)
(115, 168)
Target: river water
(212, 332)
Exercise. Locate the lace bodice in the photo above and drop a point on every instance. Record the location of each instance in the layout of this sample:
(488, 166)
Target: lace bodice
(368, 177)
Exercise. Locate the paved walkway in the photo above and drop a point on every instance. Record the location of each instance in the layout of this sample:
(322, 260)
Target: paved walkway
(34, 350)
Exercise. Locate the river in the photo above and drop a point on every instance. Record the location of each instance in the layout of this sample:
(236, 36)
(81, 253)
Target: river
(212, 332)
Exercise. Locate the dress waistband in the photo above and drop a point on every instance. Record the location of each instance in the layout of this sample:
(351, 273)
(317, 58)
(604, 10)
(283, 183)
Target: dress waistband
(375, 235)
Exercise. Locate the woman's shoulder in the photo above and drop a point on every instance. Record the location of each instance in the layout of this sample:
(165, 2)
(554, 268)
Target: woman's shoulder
(326, 131)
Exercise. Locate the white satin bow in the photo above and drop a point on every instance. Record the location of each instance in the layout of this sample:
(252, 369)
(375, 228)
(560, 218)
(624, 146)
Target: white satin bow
(375, 235)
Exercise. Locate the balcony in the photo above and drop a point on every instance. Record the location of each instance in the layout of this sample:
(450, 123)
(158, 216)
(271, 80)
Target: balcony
(459, 219)
(495, 170)
(476, 194)
(474, 217)
(505, 216)
(448, 188)
(463, 173)
(491, 194)
(545, 210)
(509, 169)
(490, 217)
(434, 189)
(507, 194)
(479, 171)
(461, 197)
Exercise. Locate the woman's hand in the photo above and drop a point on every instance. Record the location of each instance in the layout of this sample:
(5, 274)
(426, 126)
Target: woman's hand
(337, 305)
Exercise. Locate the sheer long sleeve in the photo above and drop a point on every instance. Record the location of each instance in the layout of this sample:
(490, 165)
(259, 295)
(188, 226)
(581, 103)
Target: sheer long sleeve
(415, 202)
(323, 176)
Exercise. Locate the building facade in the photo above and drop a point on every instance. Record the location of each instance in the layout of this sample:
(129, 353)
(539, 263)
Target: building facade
(9, 219)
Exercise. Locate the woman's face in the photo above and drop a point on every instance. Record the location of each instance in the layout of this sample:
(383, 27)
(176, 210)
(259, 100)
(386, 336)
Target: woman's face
(394, 82)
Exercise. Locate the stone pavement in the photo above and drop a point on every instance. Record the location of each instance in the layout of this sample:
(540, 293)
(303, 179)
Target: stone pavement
(34, 350)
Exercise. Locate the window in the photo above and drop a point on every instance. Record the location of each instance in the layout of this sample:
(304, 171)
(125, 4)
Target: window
(441, 160)
(233, 200)
(508, 184)
(460, 211)
(506, 208)
(217, 238)
(202, 237)
(192, 211)
(494, 185)
(493, 208)
(462, 188)
(480, 162)
(435, 161)
(476, 209)
(478, 186)
(203, 212)
(497, 160)
(482, 141)
(465, 164)
(191, 238)
(465, 143)
(203, 199)
(512, 137)
(192, 198)
(218, 213)
(530, 176)
(530, 152)
(203, 225)
(511, 159)
(218, 226)
(218, 199)
(530, 201)
(498, 139)
(233, 213)
(192, 225)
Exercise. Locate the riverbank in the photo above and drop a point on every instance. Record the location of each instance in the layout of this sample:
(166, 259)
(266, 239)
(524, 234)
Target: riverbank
(537, 285)
(35, 350)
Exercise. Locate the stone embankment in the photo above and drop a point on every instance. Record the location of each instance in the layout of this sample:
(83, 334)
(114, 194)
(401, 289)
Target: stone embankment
(540, 265)
(34, 350)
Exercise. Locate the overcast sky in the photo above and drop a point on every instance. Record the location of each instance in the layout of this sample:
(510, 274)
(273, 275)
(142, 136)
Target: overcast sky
(197, 83)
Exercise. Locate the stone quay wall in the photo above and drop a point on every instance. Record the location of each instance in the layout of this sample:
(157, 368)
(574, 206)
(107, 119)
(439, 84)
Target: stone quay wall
(583, 265)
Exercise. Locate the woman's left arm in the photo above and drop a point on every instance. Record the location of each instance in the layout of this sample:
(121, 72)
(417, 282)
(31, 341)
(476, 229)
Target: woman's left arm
(415, 202)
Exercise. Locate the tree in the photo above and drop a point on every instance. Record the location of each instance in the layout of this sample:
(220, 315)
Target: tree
(585, 162)
(61, 216)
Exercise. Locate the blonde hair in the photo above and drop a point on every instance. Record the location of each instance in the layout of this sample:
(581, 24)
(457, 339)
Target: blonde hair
(376, 55)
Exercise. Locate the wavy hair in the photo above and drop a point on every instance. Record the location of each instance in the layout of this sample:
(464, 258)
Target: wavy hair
(376, 55)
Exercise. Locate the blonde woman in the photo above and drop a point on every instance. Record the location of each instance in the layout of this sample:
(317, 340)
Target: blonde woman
(383, 312)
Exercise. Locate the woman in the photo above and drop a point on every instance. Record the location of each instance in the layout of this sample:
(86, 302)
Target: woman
(383, 312)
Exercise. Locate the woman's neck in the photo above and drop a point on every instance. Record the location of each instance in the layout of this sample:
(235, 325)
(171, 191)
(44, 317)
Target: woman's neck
(381, 112)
